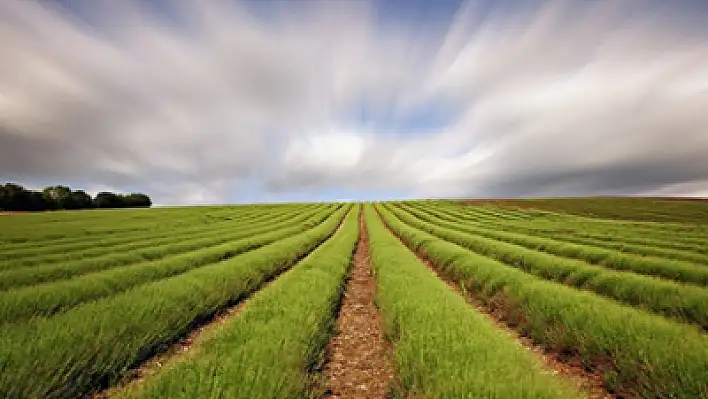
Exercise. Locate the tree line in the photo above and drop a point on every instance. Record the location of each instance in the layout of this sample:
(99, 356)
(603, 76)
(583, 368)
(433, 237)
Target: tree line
(14, 197)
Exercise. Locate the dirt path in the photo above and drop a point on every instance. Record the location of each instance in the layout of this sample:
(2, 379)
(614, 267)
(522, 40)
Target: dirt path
(359, 359)
(571, 369)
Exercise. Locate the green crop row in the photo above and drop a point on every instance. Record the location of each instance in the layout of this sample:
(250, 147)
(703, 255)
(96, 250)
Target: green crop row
(641, 355)
(444, 348)
(617, 228)
(665, 226)
(50, 298)
(667, 268)
(622, 228)
(291, 320)
(44, 227)
(89, 246)
(639, 249)
(41, 231)
(684, 302)
(150, 240)
(93, 345)
(619, 240)
(103, 226)
(602, 237)
(17, 278)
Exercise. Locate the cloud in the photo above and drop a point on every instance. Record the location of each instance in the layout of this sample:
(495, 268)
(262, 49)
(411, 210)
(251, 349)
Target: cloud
(200, 102)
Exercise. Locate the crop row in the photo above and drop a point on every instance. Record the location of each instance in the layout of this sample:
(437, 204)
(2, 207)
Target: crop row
(17, 278)
(604, 236)
(291, 320)
(618, 241)
(640, 354)
(684, 302)
(653, 266)
(639, 249)
(444, 348)
(565, 231)
(47, 299)
(31, 229)
(92, 246)
(93, 345)
(649, 227)
(681, 234)
(138, 242)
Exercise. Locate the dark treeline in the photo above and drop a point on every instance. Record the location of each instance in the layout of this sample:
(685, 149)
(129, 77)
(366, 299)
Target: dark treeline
(14, 197)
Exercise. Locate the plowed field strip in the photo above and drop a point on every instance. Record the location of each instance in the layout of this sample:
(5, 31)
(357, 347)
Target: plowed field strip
(360, 360)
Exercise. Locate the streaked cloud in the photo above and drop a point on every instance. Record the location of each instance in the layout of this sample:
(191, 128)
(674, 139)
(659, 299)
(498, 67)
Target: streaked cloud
(208, 102)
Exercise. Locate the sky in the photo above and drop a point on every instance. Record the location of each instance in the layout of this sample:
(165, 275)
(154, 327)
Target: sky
(200, 102)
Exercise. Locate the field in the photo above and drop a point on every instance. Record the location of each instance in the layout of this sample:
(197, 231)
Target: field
(557, 298)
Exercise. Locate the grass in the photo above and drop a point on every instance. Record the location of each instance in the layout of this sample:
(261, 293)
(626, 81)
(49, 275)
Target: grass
(291, 320)
(95, 246)
(653, 266)
(644, 249)
(50, 298)
(642, 209)
(683, 302)
(16, 278)
(679, 236)
(87, 295)
(28, 229)
(641, 355)
(444, 347)
(144, 247)
(93, 345)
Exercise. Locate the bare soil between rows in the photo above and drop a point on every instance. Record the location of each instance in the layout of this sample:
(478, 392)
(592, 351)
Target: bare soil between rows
(555, 363)
(359, 358)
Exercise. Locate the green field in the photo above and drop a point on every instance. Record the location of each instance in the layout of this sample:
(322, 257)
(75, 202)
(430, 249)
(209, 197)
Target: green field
(615, 287)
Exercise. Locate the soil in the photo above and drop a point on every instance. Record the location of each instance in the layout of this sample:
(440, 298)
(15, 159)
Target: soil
(359, 358)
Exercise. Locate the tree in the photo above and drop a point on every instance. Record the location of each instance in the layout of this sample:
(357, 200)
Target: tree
(4, 198)
(107, 199)
(79, 200)
(137, 200)
(59, 197)
(14, 197)
(35, 201)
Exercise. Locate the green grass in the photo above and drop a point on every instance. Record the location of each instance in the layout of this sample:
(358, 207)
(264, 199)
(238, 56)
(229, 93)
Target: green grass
(148, 246)
(95, 246)
(619, 239)
(684, 302)
(649, 265)
(444, 347)
(47, 299)
(291, 320)
(641, 209)
(16, 278)
(641, 355)
(94, 344)
(664, 235)
(28, 229)
(86, 295)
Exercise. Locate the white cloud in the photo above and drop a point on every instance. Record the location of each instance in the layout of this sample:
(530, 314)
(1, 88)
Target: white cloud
(563, 99)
